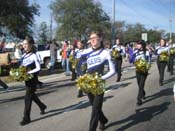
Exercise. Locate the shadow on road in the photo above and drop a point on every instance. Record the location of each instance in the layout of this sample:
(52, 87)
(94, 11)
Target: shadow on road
(169, 80)
(141, 115)
(65, 80)
(79, 105)
(22, 97)
(164, 92)
(129, 78)
(116, 86)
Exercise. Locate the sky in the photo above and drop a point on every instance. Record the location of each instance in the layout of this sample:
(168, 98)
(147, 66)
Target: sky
(151, 13)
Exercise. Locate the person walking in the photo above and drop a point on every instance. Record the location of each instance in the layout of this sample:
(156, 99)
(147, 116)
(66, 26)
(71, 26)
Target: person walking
(53, 55)
(30, 60)
(141, 75)
(118, 61)
(96, 56)
(162, 49)
(80, 46)
(172, 55)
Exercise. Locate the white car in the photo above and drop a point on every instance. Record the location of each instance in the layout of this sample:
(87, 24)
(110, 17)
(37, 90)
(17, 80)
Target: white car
(43, 52)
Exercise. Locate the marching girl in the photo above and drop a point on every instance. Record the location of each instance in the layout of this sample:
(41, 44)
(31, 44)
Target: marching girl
(29, 60)
(72, 54)
(141, 53)
(171, 59)
(118, 60)
(96, 56)
(162, 59)
(80, 46)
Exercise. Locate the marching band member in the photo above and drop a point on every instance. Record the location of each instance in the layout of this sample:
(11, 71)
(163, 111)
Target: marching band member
(162, 51)
(118, 60)
(73, 50)
(96, 56)
(141, 53)
(30, 60)
(80, 46)
(171, 59)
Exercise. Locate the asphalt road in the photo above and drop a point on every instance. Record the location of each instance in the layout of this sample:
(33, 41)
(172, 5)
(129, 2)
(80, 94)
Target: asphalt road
(66, 112)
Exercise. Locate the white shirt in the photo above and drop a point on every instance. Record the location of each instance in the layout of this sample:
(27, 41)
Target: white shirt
(96, 59)
(28, 60)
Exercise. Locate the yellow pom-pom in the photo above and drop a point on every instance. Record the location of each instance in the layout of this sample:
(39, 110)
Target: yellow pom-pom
(142, 65)
(91, 83)
(20, 74)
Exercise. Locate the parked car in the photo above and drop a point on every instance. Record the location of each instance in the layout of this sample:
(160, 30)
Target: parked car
(43, 52)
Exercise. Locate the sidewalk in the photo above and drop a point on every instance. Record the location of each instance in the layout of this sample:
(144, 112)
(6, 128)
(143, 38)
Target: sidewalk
(45, 77)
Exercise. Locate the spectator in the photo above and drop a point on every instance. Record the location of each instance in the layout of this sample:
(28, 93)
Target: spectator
(65, 58)
(53, 55)
(18, 51)
(2, 43)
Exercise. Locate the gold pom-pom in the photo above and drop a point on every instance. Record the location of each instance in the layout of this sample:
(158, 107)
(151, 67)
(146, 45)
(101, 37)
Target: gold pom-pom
(164, 57)
(73, 61)
(172, 51)
(91, 83)
(142, 65)
(115, 53)
(20, 74)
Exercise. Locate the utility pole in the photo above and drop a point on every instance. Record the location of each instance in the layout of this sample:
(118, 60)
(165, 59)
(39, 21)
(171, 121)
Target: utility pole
(51, 21)
(113, 24)
(170, 29)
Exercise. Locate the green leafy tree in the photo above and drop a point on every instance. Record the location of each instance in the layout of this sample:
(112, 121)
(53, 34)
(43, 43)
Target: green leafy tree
(120, 29)
(167, 36)
(43, 33)
(134, 32)
(17, 16)
(76, 18)
(154, 35)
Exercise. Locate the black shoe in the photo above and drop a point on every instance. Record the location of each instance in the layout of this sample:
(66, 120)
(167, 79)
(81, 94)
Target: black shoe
(40, 84)
(80, 95)
(25, 122)
(43, 110)
(102, 126)
(118, 79)
(73, 79)
(143, 97)
(139, 102)
(161, 84)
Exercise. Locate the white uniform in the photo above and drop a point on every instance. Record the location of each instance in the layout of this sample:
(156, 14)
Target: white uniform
(96, 60)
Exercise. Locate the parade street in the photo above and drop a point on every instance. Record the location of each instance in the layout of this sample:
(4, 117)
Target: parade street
(66, 112)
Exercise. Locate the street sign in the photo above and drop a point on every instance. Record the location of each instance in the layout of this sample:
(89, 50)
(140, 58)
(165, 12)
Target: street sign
(145, 36)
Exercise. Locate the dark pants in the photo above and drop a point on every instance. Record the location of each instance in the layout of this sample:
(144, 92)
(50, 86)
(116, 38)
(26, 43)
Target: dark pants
(80, 92)
(5, 86)
(141, 77)
(171, 64)
(96, 114)
(29, 96)
(161, 67)
(74, 74)
(118, 66)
